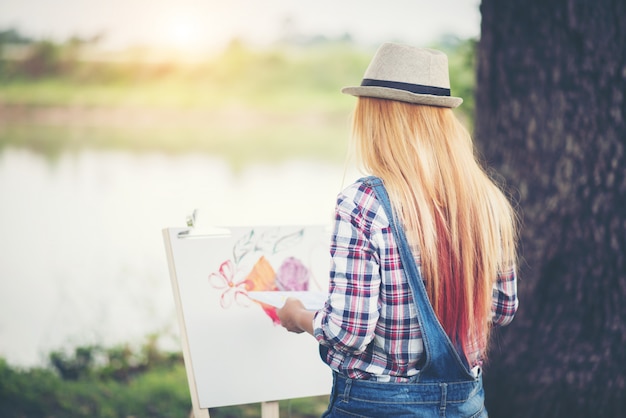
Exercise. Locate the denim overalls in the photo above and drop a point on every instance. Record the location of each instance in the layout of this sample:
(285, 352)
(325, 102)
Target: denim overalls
(444, 387)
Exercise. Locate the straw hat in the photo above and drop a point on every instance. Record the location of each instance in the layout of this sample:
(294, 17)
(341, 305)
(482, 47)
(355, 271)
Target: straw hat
(407, 74)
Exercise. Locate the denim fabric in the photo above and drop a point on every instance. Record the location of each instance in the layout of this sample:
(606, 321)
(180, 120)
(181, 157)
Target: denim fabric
(363, 398)
(444, 386)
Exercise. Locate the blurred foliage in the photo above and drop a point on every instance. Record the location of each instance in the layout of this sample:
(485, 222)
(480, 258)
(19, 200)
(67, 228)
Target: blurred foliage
(307, 75)
(13, 36)
(93, 381)
(97, 381)
(281, 77)
(243, 103)
(462, 59)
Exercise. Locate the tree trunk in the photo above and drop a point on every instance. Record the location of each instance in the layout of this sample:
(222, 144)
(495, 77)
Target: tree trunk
(550, 119)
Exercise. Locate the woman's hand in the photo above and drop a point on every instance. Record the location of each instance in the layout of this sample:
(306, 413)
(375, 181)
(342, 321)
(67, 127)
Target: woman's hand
(294, 317)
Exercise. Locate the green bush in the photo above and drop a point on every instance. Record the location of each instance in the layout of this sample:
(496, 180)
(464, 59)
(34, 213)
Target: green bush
(117, 382)
(94, 381)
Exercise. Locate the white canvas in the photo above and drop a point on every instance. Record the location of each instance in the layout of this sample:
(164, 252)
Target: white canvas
(234, 352)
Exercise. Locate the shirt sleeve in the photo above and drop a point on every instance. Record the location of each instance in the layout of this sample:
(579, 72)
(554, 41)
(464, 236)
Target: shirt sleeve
(505, 300)
(348, 320)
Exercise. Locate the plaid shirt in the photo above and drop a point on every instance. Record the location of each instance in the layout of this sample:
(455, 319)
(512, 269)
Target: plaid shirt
(369, 324)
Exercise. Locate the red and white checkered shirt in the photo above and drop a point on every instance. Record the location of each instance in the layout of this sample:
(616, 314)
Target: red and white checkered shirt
(369, 323)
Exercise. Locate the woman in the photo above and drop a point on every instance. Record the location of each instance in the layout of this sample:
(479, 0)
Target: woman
(423, 253)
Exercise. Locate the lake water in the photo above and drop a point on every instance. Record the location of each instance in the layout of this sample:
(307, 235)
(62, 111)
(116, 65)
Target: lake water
(82, 258)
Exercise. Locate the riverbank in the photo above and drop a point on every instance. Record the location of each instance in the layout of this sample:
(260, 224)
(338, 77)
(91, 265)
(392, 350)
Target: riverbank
(240, 134)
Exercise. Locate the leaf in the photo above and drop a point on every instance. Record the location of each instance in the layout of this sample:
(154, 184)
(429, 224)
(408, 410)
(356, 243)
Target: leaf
(267, 240)
(288, 241)
(243, 246)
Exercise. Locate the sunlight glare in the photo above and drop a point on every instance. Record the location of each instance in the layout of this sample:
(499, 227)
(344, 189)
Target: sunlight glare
(184, 33)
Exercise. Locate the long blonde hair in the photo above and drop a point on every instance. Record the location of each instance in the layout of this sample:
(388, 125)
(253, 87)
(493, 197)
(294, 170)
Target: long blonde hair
(454, 214)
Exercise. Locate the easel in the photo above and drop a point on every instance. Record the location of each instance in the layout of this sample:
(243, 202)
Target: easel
(268, 410)
(188, 255)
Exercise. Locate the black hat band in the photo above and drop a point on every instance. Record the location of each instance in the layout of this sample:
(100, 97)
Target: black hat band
(413, 88)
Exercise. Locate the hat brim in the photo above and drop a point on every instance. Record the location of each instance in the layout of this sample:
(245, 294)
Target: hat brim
(403, 96)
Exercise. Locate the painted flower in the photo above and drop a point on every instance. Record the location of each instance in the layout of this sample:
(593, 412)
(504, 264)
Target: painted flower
(223, 280)
(292, 275)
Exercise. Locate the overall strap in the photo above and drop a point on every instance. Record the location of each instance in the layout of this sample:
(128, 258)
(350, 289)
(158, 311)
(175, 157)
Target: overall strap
(443, 363)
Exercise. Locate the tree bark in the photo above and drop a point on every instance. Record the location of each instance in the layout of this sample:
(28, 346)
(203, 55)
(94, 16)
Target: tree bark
(550, 119)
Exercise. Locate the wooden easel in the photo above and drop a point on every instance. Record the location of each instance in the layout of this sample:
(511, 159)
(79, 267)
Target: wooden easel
(268, 410)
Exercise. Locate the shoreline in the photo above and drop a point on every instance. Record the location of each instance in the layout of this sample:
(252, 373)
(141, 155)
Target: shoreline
(145, 116)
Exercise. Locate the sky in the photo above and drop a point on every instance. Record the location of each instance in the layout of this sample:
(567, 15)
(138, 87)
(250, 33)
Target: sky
(205, 24)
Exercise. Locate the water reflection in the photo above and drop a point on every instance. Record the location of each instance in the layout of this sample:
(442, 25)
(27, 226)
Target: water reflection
(82, 254)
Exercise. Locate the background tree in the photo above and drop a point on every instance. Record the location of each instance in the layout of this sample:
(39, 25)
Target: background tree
(550, 112)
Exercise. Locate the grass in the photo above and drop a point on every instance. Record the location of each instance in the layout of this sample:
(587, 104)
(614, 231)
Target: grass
(173, 92)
